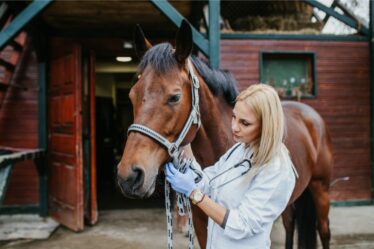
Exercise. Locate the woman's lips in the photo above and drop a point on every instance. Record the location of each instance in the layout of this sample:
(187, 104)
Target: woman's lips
(236, 136)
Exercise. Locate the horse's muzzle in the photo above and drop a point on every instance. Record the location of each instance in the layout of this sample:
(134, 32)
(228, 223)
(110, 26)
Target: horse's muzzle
(131, 186)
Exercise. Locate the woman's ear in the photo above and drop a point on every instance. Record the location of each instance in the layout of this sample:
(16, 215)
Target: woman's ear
(183, 42)
(141, 43)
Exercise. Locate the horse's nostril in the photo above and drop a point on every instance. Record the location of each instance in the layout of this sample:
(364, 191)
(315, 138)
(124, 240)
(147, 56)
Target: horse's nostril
(138, 177)
(132, 182)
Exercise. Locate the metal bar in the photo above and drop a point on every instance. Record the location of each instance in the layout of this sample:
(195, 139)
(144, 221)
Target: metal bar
(346, 20)
(371, 23)
(5, 174)
(214, 33)
(170, 12)
(20, 156)
(326, 18)
(23, 18)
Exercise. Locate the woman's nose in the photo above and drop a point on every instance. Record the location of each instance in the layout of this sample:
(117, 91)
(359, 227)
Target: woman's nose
(234, 126)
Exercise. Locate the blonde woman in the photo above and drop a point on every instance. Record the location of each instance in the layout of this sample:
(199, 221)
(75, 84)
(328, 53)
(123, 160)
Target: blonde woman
(249, 187)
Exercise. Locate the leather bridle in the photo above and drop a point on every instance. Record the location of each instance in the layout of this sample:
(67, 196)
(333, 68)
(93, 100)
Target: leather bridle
(193, 118)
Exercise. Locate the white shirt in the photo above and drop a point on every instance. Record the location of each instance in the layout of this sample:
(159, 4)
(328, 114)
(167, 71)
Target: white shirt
(255, 199)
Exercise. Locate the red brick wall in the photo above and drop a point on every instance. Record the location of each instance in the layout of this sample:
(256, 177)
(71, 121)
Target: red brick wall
(343, 100)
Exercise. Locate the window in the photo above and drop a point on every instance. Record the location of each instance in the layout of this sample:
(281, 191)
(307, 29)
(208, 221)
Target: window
(290, 73)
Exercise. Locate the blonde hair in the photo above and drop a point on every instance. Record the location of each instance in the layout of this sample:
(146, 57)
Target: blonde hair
(266, 106)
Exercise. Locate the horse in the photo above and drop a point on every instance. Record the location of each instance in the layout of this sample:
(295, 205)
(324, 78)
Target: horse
(161, 99)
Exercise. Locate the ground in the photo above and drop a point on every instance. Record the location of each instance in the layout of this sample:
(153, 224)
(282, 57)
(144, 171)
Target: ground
(351, 227)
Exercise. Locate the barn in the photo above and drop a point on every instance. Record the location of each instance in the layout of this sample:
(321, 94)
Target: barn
(66, 69)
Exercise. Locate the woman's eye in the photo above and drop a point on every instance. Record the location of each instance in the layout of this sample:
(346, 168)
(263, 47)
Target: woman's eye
(245, 123)
(174, 99)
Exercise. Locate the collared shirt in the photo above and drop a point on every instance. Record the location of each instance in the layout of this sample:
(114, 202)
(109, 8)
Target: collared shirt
(254, 199)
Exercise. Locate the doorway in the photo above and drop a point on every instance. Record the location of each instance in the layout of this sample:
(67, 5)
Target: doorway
(114, 79)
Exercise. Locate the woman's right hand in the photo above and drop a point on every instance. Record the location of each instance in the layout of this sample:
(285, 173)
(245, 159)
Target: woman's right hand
(181, 182)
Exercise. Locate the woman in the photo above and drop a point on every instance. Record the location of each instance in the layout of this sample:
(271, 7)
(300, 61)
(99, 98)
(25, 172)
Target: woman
(251, 184)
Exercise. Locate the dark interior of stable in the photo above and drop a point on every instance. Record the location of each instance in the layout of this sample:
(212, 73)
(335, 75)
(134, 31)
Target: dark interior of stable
(113, 116)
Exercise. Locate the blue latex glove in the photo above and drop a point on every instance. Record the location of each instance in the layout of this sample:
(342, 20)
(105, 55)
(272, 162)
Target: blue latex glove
(181, 182)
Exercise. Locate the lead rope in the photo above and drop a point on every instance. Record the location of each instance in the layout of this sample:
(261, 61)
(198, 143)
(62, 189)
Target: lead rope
(181, 211)
(182, 201)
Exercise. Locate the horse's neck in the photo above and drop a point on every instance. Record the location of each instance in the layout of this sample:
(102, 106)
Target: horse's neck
(214, 136)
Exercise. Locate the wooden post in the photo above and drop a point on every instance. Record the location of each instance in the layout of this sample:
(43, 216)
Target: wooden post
(214, 33)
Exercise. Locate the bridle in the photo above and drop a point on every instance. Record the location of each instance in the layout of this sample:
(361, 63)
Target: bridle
(193, 118)
(173, 149)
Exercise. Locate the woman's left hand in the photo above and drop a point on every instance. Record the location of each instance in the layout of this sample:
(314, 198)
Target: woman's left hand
(181, 182)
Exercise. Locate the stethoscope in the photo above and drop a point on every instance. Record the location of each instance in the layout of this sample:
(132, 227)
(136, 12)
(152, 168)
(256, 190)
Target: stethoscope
(246, 164)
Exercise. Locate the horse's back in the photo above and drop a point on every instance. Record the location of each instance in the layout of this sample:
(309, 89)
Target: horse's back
(309, 143)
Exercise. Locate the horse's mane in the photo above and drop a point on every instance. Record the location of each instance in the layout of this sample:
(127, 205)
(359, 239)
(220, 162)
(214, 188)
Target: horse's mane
(161, 58)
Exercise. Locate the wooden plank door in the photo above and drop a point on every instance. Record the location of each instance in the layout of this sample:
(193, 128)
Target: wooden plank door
(65, 159)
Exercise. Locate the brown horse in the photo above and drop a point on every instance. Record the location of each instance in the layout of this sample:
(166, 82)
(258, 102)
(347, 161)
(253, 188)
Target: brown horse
(161, 101)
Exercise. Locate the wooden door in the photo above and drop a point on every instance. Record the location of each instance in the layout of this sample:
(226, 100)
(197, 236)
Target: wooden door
(65, 159)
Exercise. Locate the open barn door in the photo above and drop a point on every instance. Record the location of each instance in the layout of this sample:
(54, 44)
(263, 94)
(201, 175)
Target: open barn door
(65, 157)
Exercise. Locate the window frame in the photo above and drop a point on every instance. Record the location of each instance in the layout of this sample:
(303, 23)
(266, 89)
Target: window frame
(286, 53)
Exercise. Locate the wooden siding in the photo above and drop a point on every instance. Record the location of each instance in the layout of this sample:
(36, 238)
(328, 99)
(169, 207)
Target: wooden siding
(343, 100)
(19, 129)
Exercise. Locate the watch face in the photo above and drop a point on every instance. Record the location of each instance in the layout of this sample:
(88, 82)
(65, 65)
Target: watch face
(198, 195)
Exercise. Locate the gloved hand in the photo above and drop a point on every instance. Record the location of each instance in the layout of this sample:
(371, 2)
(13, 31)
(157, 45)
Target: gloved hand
(181, 182)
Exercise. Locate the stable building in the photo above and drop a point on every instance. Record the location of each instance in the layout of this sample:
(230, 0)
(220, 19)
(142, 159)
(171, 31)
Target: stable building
(64, 106)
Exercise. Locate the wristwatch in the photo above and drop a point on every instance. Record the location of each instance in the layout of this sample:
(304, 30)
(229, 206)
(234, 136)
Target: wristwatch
(197, 196)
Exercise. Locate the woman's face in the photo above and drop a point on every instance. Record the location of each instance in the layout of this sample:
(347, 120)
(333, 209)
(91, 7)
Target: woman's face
(245, 127)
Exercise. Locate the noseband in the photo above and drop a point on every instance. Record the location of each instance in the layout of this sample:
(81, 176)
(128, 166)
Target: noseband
(193, 118)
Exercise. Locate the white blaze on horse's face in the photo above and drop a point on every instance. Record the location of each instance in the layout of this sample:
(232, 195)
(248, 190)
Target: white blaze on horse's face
(161, 102)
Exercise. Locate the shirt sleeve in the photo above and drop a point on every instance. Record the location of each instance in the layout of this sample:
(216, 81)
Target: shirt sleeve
(264, 201)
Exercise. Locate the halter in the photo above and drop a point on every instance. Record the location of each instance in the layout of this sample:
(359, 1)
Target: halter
(193, 118)
(174, 152)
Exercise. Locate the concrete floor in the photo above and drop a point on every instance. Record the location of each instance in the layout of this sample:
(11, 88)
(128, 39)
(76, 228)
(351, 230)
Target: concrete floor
(351, 227)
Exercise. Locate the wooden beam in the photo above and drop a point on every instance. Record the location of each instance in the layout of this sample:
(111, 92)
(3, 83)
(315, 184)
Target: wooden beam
(21, 20)
(344, 19)
(170, 12)
(214, 33)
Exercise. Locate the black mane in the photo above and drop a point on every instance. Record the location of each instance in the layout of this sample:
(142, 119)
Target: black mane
(161, 58)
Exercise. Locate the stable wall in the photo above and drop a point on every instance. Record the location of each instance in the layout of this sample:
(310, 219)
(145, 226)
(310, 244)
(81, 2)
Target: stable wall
(343, 100)
(19, 128)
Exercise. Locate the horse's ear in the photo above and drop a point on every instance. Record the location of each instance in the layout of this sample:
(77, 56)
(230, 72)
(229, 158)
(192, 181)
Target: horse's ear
(183, 42)
(141, 43)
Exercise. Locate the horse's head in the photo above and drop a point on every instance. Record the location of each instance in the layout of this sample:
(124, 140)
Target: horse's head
(161, 100)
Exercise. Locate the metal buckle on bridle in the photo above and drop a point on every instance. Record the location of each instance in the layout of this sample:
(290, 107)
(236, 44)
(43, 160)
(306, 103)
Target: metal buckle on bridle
(173, 150)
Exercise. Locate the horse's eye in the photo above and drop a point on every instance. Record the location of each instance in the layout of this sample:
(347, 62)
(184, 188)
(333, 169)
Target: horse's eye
(174, 99)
